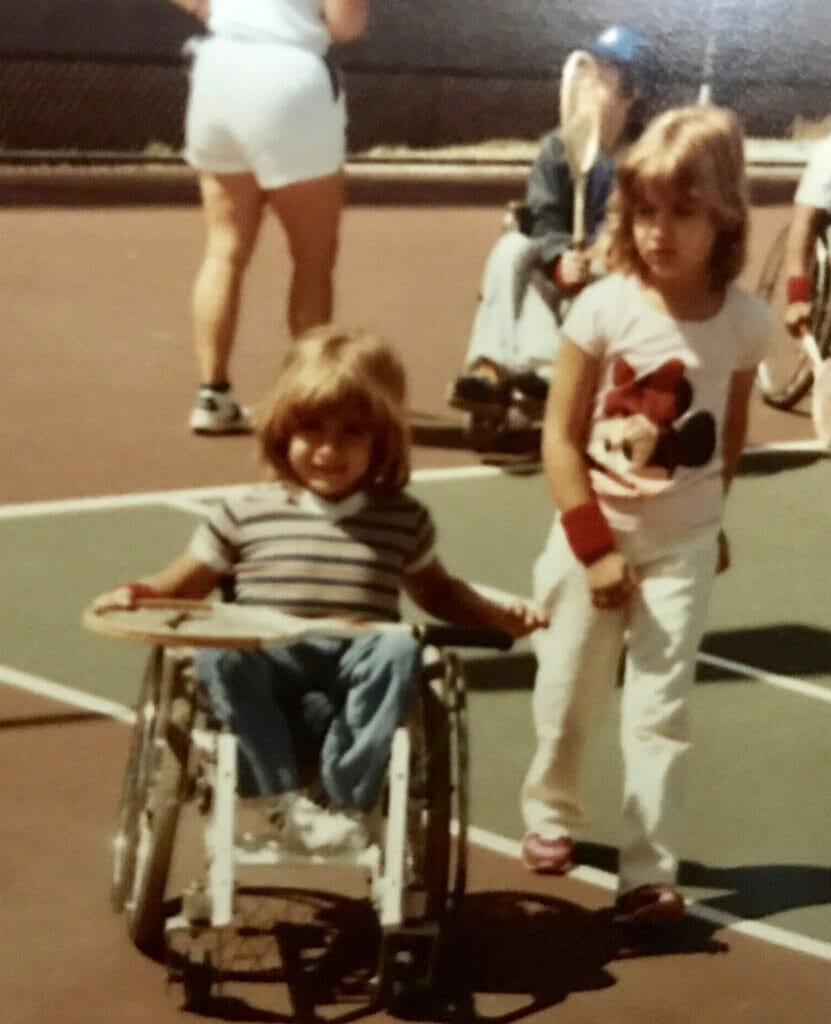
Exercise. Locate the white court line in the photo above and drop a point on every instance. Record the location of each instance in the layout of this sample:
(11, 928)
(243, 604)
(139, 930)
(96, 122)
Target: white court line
(199, 494)
(479, 837)
(603, 880)
(66, 694)
(804, 689)
(107, 502)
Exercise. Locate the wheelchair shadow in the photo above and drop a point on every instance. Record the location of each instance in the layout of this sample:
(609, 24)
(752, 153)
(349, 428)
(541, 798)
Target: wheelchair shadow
(505, 956)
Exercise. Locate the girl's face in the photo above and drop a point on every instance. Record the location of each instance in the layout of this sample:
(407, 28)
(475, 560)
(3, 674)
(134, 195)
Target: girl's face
(674, 236)
(331, 455)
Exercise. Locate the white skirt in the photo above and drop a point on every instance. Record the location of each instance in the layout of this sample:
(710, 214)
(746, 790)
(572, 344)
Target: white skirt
(264, 108)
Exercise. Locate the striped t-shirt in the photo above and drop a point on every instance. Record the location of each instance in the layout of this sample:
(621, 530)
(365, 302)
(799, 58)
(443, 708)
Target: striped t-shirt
(298, 553)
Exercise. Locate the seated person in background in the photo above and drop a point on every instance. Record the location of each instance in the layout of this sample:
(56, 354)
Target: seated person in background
(812, 209)
(533, 271)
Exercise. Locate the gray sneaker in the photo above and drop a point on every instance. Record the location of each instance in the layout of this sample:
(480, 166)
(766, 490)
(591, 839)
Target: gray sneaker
(216, 412)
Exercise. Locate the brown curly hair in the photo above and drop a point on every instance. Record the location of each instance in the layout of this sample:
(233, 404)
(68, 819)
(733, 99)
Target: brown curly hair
(698, 152)
(330, 371)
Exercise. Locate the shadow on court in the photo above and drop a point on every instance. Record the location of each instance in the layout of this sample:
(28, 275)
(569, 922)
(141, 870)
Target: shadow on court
(766, 463)
(789, 648)
(506, 956)
(754, 891)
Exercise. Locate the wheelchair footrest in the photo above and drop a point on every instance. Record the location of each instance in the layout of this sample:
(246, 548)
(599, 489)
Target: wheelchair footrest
(409, 957)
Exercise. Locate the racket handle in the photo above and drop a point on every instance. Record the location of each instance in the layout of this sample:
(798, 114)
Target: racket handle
(578, 234)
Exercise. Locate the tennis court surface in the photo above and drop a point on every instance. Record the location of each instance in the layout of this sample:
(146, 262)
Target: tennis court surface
(102, 482)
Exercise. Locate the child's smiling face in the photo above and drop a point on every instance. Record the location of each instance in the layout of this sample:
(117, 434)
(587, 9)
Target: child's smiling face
(331, 454)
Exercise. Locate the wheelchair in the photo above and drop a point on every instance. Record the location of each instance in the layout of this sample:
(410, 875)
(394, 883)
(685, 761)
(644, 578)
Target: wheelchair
(509, 418)
(785, 376)
(182, 761)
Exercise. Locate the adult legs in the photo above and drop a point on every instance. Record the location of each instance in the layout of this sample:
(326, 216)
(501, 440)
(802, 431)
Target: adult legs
(310, 213)
(232, 205)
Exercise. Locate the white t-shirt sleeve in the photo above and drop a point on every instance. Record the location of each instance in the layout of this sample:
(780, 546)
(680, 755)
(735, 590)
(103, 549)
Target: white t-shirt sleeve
(815, 185)
(213, 541)
(584, 321)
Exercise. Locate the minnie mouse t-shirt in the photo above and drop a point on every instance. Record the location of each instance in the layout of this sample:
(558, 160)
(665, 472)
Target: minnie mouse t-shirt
(655, 441)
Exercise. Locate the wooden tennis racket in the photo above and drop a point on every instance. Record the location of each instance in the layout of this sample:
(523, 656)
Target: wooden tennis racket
(580, 129)
(169, 622)
(821, 395)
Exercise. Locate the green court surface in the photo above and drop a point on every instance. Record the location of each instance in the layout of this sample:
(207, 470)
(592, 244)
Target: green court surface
(760, 834)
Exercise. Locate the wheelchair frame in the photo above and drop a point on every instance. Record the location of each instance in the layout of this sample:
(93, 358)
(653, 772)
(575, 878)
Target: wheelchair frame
(785, 375)
(417, 874)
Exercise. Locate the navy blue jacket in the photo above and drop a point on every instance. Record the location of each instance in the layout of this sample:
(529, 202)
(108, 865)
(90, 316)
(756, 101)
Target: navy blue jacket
(549, 198)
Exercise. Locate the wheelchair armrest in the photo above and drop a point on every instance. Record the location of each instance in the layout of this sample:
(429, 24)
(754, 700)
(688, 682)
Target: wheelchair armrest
(440, 634)
(518, 217)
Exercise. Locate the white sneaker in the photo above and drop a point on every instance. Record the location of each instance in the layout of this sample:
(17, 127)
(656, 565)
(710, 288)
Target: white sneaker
(216, 412)
(260, 820)
(311, 829)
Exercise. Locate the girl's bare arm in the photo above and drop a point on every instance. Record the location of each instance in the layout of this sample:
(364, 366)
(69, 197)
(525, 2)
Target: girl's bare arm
(345, 19)
(735, 422)
(450, 599)
(799, 258)
(566, 426)
(185, 576)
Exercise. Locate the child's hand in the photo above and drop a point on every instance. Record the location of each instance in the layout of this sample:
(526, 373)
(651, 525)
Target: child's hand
(521, 618)
(798, 317)
(124, 596)
(573, 269)
(612, 581)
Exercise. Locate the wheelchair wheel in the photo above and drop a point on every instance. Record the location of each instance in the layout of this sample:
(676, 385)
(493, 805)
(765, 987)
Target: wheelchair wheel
(429, 807)
(156, 832)
(134, 787)
(156, 801)
(785, 375)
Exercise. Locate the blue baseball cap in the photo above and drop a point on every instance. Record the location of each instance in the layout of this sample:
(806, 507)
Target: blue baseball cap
(631, 51)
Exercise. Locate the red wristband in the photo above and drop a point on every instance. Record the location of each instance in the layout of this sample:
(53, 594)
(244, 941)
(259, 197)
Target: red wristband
(798, 288)
(139, 591)
(589, 534)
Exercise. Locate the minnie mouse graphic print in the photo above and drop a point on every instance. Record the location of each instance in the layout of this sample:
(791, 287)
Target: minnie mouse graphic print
(659, 411)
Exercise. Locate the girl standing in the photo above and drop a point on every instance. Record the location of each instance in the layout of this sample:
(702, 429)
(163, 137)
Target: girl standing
(335, 534)
(643, 431)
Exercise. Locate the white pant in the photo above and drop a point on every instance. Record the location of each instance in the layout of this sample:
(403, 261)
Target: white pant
(514, 324)
(578, 657)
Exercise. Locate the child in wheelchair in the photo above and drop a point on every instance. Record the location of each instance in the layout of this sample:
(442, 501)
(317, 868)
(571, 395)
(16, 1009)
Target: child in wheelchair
(334, 533)
(535, 270)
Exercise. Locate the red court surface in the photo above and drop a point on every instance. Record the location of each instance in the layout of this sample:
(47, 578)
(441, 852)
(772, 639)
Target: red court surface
(99, 380)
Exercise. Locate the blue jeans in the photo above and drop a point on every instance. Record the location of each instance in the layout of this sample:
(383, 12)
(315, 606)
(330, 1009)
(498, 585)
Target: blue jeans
(351, 694)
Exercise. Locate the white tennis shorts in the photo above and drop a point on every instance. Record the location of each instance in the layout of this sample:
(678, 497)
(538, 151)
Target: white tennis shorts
(264, 108)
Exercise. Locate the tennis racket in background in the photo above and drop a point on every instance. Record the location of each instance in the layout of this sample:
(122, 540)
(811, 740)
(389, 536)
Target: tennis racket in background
(580, 129)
